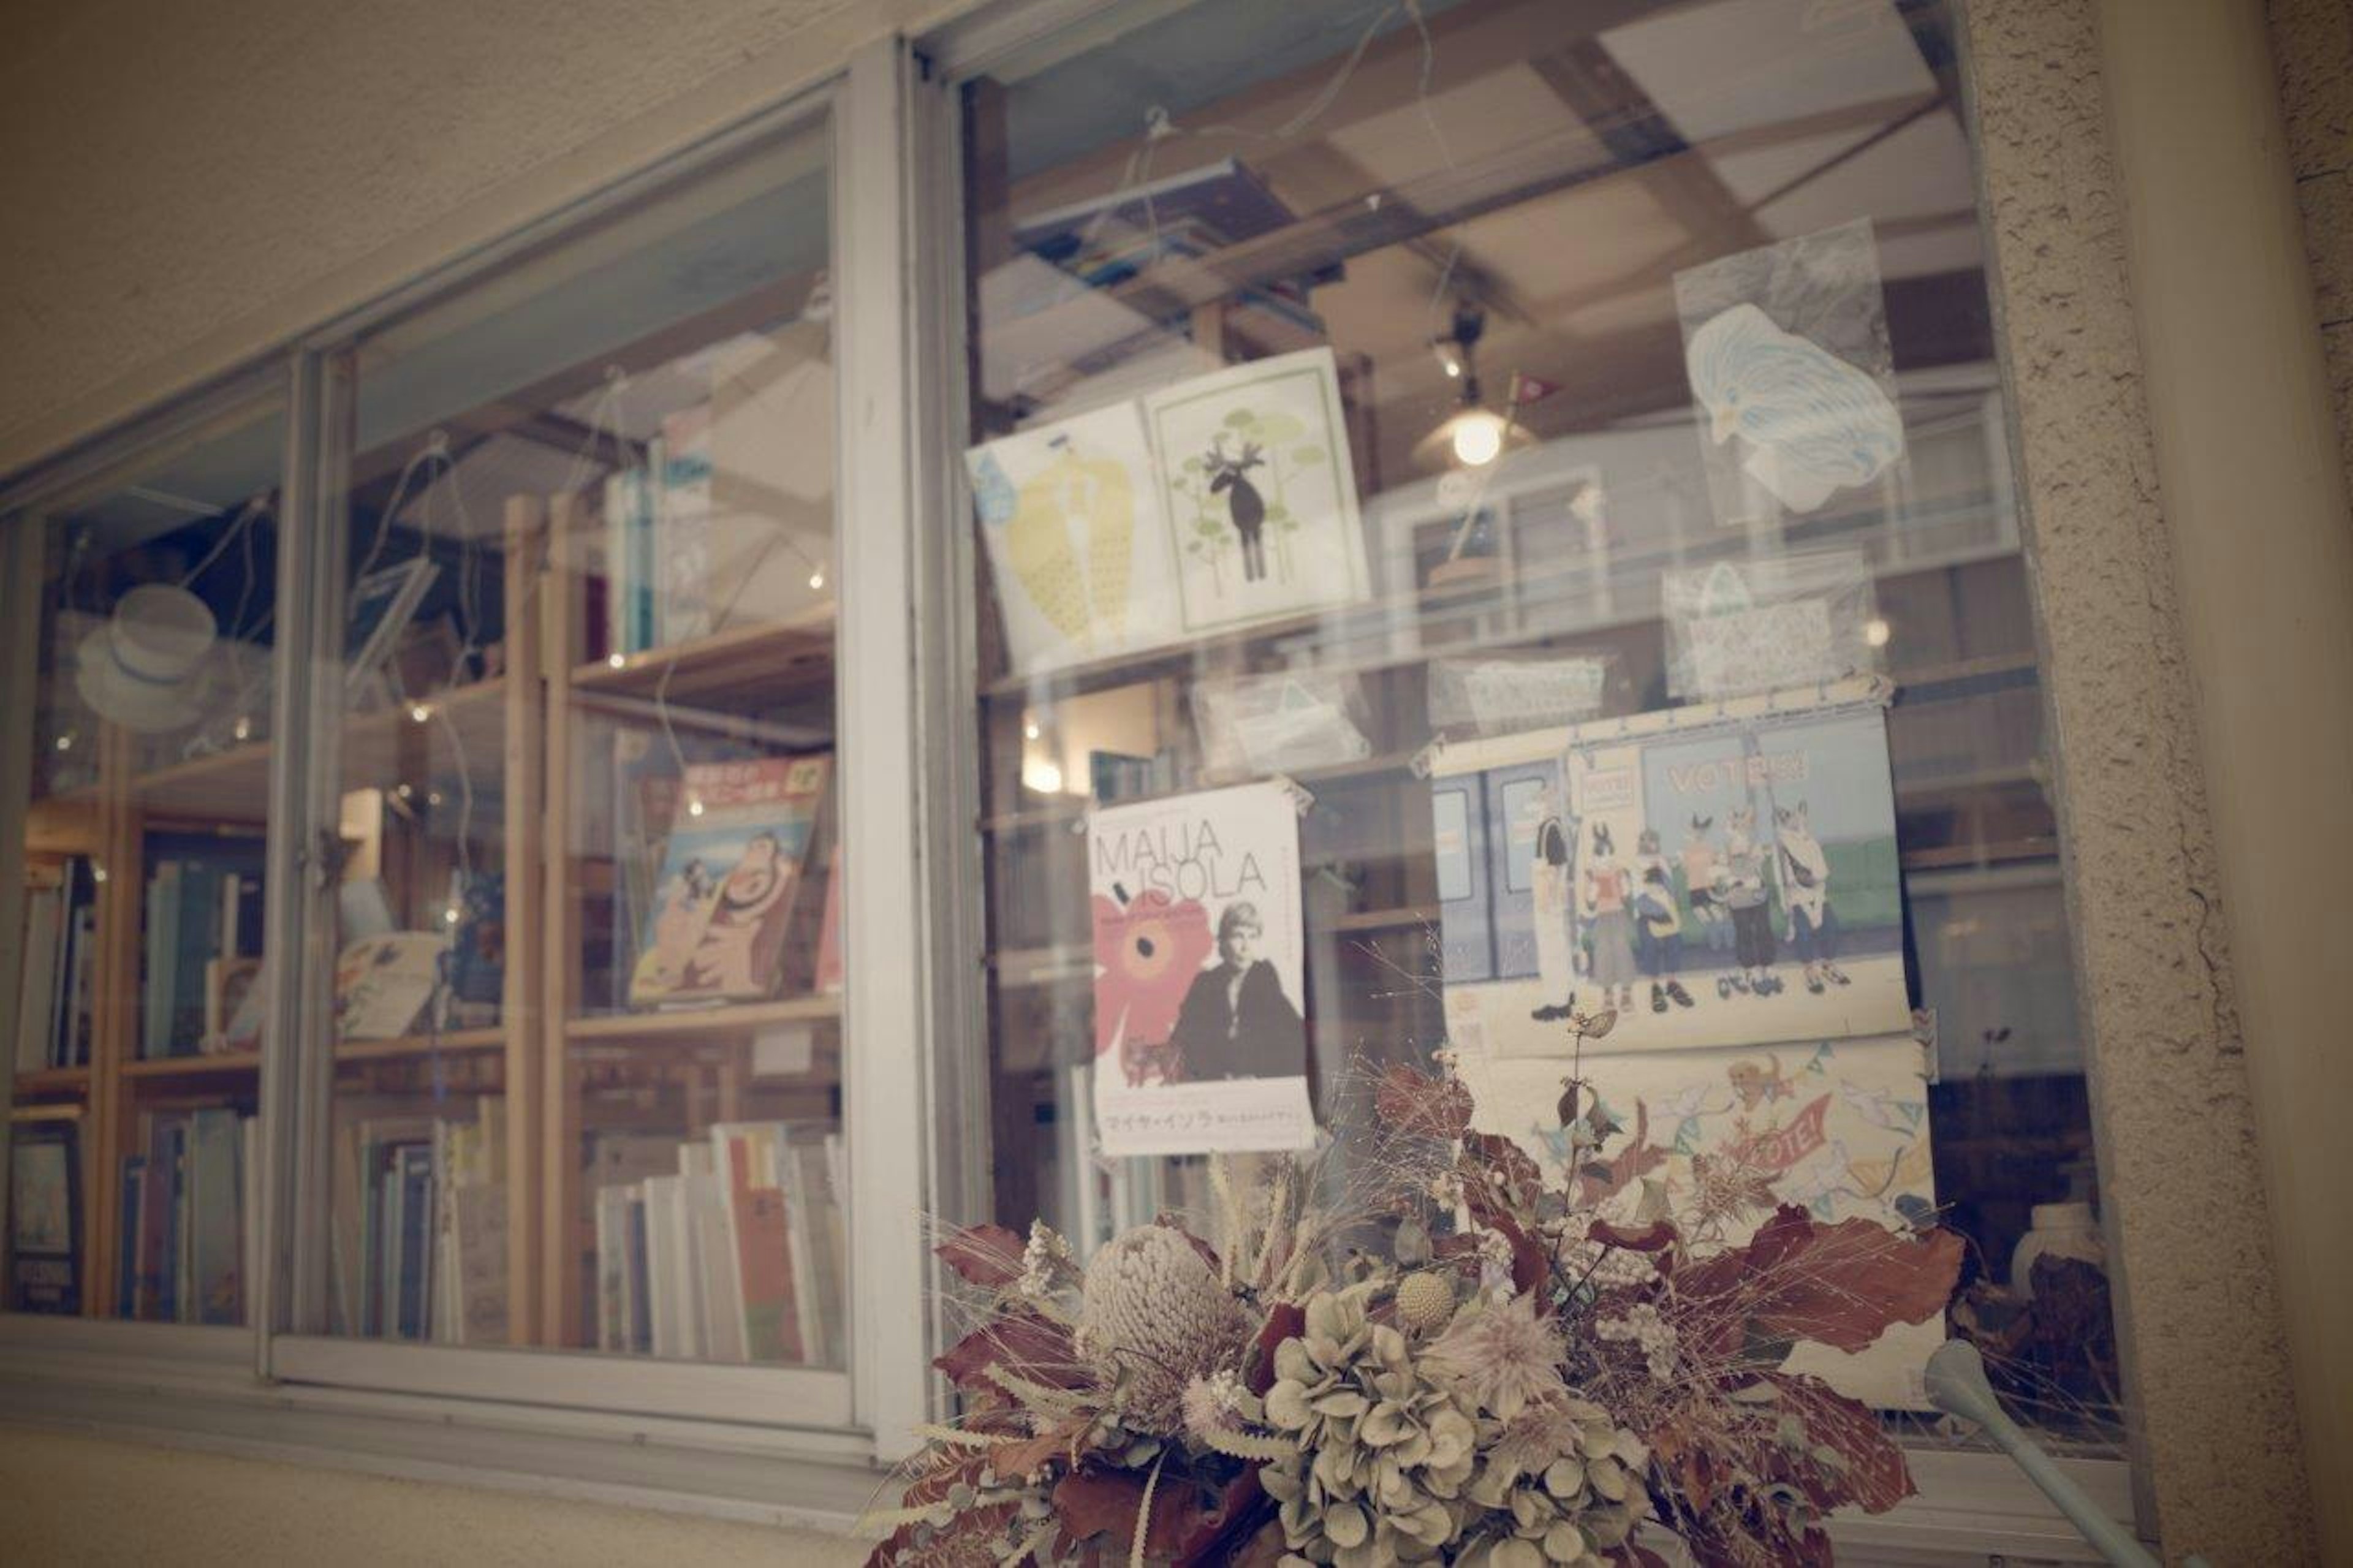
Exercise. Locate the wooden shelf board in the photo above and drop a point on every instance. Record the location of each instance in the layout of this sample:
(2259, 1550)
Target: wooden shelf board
(224, 1064)
(410, 1046)
(704, 1021)
(743, 663)
(54, 1081)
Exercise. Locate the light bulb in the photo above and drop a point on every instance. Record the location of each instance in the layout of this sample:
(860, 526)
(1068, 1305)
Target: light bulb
(433, 798)
(817, 581)
(1478, 438)
(449, 915)
(1043, 775)
(1029, 731)
(695, 808)
(242, 728)
(616, 660)
(65, 742)
(1876, 632)
(98, 873)
(420, 713)
(404, 792)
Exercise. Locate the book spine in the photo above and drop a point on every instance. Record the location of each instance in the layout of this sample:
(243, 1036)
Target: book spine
(214, 1225)
(771, 1330)
(132, 1215)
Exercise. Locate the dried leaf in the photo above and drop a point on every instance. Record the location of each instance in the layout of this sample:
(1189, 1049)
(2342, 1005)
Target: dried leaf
(1022, 1343)
(1185, 1526)
(988, 1255)
(1870, 1471)
(1026, 1456)
(1284, 1320)
(1656, 1236)
(1840, 1285)
(1411, 1101)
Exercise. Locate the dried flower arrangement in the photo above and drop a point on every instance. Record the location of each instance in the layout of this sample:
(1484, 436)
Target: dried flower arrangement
(1533, 1385)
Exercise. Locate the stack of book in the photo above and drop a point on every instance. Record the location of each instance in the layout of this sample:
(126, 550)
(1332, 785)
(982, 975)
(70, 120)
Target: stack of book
(57, 963)
(419, 1232)
(739, 1254)
(728, 521)
(187, 1204)
(202, 947)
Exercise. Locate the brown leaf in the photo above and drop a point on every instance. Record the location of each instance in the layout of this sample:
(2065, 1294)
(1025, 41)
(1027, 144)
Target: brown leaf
(1411, 1101)
(988, 1255)
(1022, 1343)
(1874, 1476)
(1093, 1503)
(1496, 1171)
(1657, 1237)
(1284, 1320)
(1024, 1456)
(1840, 1285)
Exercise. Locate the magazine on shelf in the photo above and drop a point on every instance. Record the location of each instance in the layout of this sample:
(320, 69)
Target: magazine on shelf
(45, 1220)
(723, 904)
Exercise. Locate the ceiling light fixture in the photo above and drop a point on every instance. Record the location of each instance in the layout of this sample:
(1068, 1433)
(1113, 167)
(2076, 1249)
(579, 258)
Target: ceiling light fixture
(1473, 433)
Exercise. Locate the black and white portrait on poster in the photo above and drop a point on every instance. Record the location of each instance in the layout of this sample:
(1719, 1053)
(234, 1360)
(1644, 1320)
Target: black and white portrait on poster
(1200, 1037)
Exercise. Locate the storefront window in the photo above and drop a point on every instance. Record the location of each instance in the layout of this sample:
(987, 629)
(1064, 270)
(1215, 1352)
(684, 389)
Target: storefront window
(587, 974)
(151, 591)
(1491, 513)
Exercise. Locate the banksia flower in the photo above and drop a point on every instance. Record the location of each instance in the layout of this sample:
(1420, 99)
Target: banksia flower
(1152, 1318)
(1425, 1301)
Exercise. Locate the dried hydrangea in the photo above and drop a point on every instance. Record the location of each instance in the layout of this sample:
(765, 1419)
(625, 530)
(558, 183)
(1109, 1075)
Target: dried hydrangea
(1641, 1325)
(1500, 1356)
(1384, 1450)
(1604, 1266)
(1153, 1317)
(1560, 1483)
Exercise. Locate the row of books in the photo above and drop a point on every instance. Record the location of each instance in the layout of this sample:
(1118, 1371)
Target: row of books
(202, 946)
(728, 519)
(738, 1254)
(187, 1199)
(56, 969)
(419, 1232)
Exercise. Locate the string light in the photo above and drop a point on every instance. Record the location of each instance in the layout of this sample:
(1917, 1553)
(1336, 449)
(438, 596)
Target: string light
(695, 808)
(420, 713)
(404, 792)
(449, 915)
(1876, 632)
(98, 873)
(817, 581)
(433, 798)
(65, 742)
(242, 728)
(616, 660)
(1029, 731)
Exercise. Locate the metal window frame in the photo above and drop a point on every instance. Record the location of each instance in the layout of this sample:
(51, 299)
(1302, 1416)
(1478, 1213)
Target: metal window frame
(1969, 1504)
(870, 113)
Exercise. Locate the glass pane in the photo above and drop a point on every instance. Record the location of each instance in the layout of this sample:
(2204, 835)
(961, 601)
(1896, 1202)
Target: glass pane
(137, 1036)
(1567, 446)
(589, 1064)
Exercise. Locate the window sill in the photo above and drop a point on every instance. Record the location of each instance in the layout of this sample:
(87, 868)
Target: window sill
(195, 1387)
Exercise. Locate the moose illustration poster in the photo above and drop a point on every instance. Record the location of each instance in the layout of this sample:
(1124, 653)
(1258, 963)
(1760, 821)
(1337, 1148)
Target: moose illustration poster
(1200, 1041)
(1719, 874)
(1720, 1137)
(1077, 543)
(1259, 490)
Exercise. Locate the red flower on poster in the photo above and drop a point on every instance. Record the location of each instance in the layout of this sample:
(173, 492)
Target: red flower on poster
(1148, 952)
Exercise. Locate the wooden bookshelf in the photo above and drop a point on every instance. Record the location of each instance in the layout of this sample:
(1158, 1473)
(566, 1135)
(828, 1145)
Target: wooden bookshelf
(53, 1082)
(684, 1024)
(220, 1065)
(453, 1042)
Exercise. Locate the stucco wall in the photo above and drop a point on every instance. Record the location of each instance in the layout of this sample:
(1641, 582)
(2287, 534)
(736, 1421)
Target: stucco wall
(2311, 41)
(184, 185)
(69, 1500)
(2184, 1197)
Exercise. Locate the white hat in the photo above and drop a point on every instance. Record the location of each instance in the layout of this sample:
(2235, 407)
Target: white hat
(143, 668)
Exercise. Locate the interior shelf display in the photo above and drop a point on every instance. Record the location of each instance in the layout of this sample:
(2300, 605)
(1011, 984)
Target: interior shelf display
(588, 1087)
(150, 601)
(1390, 413)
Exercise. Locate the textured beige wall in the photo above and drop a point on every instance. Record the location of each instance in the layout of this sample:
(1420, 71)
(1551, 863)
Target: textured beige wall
(182, 186)
(2311, 41)
(65, 1501)
(2185, 1202)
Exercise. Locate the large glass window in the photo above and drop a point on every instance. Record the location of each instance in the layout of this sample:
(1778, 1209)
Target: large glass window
(587, 1035)
(146, 597)
(1561, 448)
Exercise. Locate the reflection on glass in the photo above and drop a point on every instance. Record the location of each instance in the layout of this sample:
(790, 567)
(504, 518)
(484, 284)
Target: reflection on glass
(1532, 382)
(140, 1013)
(588, 1029)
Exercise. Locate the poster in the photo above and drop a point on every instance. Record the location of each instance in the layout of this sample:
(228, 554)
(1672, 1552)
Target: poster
(1200, 1037)
(1838, 1128)
(1077, 543)
(1720, 875)
(1793, 377)
(1259, 492)
(1741, 626)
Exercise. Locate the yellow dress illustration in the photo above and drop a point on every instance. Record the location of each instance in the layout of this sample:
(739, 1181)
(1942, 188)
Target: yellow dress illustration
(1072, 545)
